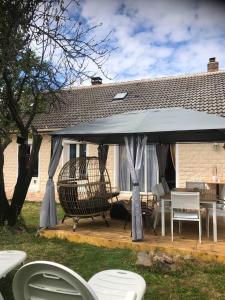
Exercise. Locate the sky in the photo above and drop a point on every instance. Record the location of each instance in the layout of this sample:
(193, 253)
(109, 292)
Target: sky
(155, 38)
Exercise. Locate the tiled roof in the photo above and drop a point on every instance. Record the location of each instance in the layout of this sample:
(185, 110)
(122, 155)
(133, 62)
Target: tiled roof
(202, 92)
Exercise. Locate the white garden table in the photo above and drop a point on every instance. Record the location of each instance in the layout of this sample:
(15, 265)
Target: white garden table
(10, 260)
(209, 200)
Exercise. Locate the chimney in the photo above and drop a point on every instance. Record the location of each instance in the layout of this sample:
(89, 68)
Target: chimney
(96, 80)
(213, 65)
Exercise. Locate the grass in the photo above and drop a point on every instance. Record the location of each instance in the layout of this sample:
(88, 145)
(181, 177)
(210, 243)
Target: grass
(192, 280)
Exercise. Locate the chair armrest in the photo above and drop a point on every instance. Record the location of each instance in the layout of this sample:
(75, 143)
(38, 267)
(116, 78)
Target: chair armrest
(131, 295)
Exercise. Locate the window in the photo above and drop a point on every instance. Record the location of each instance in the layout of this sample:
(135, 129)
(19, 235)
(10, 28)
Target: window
(148, 173)
(35, 169)
(83, 150)
(75, 150)
(120, 96)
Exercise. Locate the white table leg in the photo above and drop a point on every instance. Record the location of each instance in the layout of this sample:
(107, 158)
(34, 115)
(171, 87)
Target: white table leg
(163, 217)
(1, 297)
(214, 223)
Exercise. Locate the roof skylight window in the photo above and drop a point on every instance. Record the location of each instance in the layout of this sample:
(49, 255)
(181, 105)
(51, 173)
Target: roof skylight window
(120, 96)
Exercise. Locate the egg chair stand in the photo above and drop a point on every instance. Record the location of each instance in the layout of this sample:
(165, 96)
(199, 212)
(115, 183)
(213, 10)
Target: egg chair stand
(77, 219)
(84, 189)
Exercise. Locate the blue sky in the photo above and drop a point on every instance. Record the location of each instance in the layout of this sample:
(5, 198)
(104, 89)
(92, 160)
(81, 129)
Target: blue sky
(157, 38)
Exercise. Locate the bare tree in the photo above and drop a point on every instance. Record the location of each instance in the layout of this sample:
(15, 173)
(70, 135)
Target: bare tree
(44, 48)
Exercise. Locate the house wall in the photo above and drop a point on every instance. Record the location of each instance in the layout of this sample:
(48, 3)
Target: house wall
(195, 162)
(10, 166)
(36, 190)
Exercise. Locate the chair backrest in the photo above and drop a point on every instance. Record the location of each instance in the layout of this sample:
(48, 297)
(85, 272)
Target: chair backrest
(165, 185)
(52, 281)
(161, 189)
(185, 200)
(222, 193)
(221, 203)
(158, 190)
(155, 190)
(196, 185)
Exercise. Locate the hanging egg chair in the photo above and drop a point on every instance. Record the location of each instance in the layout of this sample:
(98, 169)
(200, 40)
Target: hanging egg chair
(84, 189)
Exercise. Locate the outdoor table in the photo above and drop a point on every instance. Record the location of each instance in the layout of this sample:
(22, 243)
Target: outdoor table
(9, 260)
(204, 199)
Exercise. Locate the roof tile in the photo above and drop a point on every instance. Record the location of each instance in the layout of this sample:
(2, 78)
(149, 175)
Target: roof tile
(203, 92)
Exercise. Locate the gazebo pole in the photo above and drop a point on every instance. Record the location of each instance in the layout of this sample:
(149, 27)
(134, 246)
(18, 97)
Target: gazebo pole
(135, 146)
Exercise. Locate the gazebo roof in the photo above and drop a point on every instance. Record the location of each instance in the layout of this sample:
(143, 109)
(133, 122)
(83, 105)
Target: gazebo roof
(166, 125)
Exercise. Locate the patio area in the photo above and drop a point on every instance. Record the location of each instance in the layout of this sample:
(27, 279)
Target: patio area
(96, 233)
(160, 127)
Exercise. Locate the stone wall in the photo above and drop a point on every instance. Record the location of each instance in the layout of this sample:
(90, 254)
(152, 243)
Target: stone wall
(197, 162)
(36, 190)
(11, 166)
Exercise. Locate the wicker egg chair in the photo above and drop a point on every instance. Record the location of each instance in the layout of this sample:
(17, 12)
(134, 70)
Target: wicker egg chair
(84, 189)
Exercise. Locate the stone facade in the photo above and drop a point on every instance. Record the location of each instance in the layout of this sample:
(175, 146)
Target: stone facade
(37, 186)
(200, 162)
(194, 162)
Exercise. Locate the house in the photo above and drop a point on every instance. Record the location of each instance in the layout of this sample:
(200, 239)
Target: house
(202, 92)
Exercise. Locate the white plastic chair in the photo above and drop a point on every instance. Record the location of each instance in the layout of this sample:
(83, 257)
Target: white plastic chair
(52, 281)
(158, 191)
(118, 284)
(185, 206)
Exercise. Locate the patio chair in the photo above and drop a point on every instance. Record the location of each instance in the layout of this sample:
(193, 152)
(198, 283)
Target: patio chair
(198, 185)
(158, 191)
(220, 206)
(52, 281)
(84, 189)
(148, 204)
(185, 206)
(202, 188)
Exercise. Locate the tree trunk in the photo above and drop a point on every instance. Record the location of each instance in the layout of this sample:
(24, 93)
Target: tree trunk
(4, 205)
(26, 165)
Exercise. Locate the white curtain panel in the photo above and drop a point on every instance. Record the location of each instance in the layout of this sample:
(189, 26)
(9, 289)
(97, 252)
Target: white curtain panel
(48, 217)
(152, 166)
(134, 159)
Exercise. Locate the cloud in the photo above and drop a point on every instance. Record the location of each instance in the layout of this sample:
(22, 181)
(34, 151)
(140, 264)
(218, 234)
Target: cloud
(156, 38)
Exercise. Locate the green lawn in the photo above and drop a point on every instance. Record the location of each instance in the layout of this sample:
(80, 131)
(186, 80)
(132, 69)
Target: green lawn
(193, 279)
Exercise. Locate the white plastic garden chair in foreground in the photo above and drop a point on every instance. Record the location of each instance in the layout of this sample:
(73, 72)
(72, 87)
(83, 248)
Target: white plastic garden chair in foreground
(53, 281)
